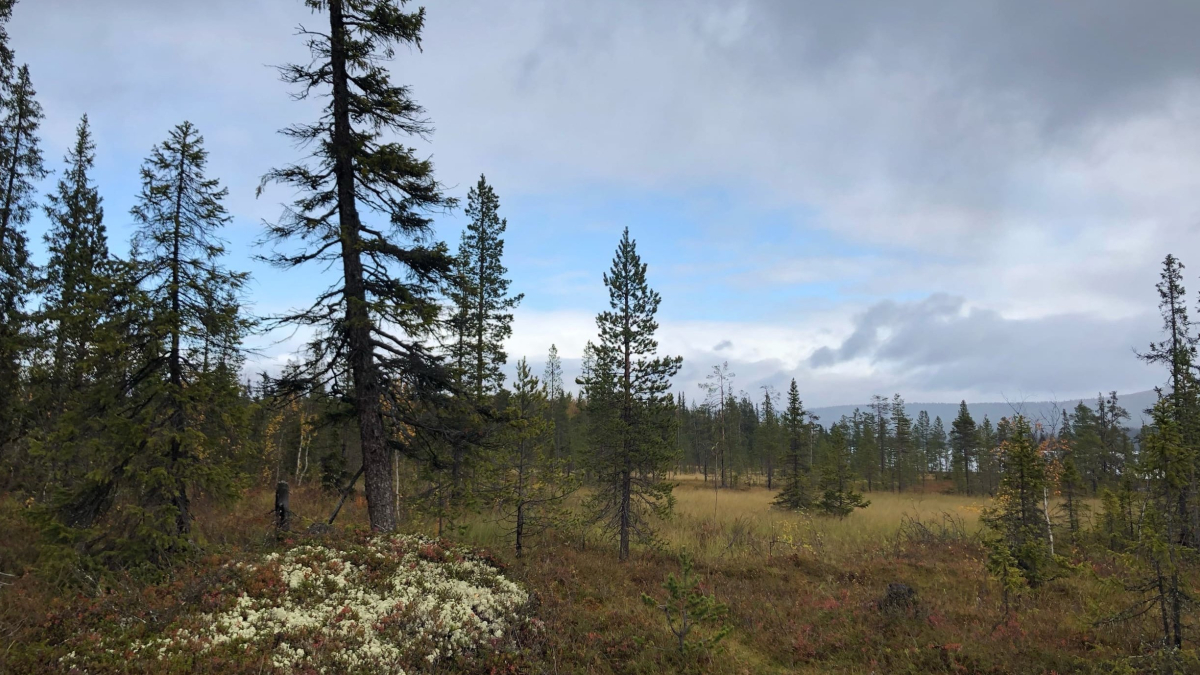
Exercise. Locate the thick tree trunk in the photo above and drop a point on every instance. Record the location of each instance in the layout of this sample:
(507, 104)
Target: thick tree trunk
(367, 389)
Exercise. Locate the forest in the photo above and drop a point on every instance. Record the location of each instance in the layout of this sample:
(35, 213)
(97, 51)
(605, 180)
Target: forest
(392, 501)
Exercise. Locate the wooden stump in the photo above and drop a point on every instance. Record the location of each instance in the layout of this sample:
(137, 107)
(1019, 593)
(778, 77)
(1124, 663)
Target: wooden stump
(283, 514)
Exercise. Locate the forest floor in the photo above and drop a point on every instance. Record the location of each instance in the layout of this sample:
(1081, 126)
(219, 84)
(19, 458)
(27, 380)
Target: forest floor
(805, 595)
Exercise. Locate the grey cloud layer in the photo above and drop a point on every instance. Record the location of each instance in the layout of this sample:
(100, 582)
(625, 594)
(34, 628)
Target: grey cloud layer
(1037, 158)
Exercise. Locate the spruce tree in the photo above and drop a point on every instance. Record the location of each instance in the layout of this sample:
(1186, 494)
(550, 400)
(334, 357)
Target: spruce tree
(883, 445)
(922, 431)
(962, 448)
(768, 434)
(21, 168)
(838, 497)
(483, 308)
(376, 317)
(194, 302)
(937, 445)
(75, 284)
(1168, 464)
(629, 403)
(987, 461)
(1018, 518)
(796, 494)
(902, 443)
(552, 380)
(1177, 351)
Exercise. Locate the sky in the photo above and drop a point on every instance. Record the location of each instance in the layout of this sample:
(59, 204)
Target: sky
(950, 200)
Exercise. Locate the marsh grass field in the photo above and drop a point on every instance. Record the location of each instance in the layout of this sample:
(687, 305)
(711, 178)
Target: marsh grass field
(804, 593)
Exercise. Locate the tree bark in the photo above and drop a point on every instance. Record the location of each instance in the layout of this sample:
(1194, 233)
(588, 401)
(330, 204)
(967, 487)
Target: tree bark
(367, 387)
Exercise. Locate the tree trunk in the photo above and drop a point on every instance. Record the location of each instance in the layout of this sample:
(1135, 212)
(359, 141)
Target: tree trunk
(626, 504)
(367, 393)
(180, 500)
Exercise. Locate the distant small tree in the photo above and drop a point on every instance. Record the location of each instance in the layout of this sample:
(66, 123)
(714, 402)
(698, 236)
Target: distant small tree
(1071, 487)
(838, 497)
(937, 445)
(768, 435)
(962, 448)
(797, 490)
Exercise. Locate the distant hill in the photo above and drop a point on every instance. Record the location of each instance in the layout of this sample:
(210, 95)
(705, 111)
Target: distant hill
(1038, 411)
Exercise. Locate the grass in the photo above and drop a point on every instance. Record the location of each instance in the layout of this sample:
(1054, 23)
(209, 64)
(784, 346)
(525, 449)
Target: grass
(802, 591)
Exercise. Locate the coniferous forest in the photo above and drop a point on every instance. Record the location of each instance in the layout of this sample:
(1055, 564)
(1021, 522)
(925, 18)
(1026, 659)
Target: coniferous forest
(406, 496)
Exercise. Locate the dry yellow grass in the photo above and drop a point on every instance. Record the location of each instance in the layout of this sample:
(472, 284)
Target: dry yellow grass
(725, 523)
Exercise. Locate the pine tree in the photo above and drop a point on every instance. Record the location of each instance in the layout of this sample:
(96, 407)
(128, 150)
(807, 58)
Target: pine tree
(838, 497)
(629, 403)
(75, 285)
(21, 168)
(376, 317)
(483, 308)
(962, 448)
(194, 302)
(796, 493)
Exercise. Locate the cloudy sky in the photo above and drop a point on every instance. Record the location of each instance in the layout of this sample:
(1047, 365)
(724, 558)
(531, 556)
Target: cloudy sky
(946, 199)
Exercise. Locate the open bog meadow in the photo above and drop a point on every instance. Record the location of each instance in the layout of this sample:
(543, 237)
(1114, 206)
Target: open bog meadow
(804, 594)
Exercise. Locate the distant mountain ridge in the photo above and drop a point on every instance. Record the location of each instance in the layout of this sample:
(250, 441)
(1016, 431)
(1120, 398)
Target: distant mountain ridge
(1047, 412)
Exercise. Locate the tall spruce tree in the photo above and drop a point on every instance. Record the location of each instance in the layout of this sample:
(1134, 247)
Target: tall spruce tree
(629, 403)
(194, 302)
(797, 489)
(75, 284)
(1168, 465)
(1018, 519)
(375, 319)
(21, 168)
(482, 317)
(1177, 351)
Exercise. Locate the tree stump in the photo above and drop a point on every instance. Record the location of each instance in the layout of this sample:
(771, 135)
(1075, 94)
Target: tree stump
(283, 514)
